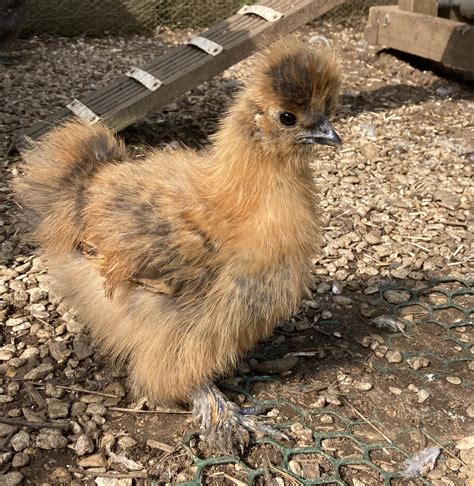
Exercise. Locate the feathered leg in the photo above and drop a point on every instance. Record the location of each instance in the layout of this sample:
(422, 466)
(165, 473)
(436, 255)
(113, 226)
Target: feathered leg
(226, 426)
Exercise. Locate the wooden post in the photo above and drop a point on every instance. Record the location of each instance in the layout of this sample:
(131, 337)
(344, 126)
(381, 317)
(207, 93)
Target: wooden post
(427, 7)
(434, 38)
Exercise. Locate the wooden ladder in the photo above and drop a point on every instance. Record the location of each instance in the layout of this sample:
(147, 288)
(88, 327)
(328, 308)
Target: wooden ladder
(130, 97)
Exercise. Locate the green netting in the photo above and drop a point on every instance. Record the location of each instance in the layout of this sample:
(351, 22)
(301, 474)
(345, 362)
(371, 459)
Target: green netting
(430, 317)
(450, 295)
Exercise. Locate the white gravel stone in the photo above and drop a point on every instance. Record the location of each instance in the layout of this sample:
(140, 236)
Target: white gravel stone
(20, 459)
(342, 300)
(465, 443)
(470, 410)
(455, 380)
(15, 321)
(12, 478)
(6, 429)
(60, 351)
(57, 408)
(418, 363)
(96, 409)
(50, 439)
(84, 445)
(126, 442)
(323, 288)
(101, 481)
(363, 385)
(6, 398)
(95, 460)
(37, 294)
(396, 296)
(326, 419)
(39, 372)
(394, 356)
(20, 441)
(423, 395)
(5, 457)
(7, 352)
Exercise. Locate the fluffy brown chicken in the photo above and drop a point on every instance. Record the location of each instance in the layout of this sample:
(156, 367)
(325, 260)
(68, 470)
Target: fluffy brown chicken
(180, 263)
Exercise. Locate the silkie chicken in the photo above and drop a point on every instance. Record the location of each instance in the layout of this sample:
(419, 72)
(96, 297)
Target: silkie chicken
(180, 263)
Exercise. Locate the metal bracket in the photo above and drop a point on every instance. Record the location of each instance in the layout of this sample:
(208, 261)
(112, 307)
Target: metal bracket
(82, 111)
(206, 45)
(145, 78)
(267, 13)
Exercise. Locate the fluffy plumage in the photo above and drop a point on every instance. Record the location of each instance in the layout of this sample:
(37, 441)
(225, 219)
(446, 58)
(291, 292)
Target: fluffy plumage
(180, 263)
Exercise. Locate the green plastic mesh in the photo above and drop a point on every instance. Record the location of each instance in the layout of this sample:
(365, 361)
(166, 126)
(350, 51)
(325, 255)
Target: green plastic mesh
(446, 305)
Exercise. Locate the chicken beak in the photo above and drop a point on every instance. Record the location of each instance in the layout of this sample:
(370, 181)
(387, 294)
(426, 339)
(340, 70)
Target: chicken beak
(323, 134)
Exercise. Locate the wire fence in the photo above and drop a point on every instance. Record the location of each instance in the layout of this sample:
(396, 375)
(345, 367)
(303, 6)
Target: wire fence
(99, 17)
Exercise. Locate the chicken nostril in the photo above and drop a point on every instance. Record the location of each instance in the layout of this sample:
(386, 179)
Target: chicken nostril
(325, 127)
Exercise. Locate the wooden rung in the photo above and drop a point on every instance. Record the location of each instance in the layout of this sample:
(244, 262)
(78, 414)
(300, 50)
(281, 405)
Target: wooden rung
(427, 7)
(125, 100)
(435, 38)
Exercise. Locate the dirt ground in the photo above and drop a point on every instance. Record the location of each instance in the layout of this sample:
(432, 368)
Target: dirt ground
(373, 370)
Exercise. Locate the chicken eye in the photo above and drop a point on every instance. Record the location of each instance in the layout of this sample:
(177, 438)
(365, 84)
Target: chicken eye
(287, 119)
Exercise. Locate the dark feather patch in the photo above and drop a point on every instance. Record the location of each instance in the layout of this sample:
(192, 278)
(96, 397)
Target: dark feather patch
(299, 78)
(292, 80)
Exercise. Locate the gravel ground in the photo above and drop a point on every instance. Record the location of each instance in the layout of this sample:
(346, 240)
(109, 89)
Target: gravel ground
(396, 201)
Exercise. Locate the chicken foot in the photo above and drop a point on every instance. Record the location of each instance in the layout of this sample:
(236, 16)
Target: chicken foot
(226, 426)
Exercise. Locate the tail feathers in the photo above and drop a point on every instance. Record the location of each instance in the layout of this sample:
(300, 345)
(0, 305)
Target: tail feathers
(57, 171)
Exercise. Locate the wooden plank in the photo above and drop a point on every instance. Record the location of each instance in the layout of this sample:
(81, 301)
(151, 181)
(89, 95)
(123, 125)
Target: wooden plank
(427, 7)
(124, 101)
(435, 38)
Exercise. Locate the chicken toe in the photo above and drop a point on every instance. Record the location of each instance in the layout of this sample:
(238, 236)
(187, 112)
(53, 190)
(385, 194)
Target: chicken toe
(227, 427)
